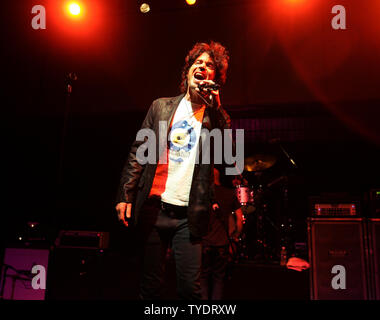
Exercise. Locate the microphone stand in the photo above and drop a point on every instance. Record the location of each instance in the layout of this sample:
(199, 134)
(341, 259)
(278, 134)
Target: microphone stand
(23, 275)
(69, 79)
(286, 225)
(293, 163)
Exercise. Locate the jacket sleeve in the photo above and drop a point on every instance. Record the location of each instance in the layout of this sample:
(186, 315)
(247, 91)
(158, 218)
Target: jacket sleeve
(223, 121)
(132, 169)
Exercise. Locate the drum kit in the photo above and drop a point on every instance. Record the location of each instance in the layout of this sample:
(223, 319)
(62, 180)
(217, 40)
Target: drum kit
(263, 234)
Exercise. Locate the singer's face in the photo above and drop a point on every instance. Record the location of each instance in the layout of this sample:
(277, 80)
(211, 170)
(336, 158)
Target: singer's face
(203, 68)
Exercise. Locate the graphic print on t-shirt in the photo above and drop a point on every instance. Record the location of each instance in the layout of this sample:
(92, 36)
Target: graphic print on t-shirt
(181, 140)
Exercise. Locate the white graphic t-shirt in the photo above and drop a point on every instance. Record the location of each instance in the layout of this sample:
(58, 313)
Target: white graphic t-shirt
(173, 180)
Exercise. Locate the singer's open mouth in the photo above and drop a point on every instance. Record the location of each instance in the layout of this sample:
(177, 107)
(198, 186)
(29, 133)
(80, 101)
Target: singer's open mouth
(199, 76)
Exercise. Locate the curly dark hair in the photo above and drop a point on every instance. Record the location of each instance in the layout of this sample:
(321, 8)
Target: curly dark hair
(218, 54)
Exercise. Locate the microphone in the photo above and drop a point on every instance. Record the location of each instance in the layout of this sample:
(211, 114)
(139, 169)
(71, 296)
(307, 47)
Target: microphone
(208, 86)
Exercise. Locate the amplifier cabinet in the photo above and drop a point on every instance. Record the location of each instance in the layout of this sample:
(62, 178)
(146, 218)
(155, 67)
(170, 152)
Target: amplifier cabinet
(23, 274)
(338, 255)
(374, 203)
(374, 249)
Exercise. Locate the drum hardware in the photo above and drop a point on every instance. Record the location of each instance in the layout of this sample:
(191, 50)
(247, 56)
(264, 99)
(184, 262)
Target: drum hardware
(237, 240)
(264, 251)
(255, 240)
(286, 229)
(277, 141)
(247, 210)
(276, 181)
(255, 216)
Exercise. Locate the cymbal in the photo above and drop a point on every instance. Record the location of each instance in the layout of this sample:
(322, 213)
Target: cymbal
(259, 162)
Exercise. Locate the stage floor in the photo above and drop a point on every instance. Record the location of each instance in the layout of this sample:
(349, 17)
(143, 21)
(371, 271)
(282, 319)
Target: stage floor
(114, 276)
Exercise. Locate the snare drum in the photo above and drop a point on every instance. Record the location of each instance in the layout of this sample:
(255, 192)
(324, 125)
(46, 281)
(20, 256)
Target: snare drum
(244, 194)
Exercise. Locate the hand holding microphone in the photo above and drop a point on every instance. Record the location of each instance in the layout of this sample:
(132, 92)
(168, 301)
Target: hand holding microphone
(208, 86)
(209, 89)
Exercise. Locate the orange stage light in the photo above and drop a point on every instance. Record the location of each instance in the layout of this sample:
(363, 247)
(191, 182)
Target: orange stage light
(293, 1)
(144, 8)
(74, 8)
(191, 2)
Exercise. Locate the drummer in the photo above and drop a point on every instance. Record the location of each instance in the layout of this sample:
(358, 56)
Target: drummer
(238, 180)
(215, 245)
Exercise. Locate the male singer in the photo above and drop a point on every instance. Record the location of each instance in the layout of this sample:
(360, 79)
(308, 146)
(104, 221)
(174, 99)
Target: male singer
(171, 200)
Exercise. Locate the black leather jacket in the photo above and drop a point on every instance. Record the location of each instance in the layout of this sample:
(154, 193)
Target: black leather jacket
(136, 179)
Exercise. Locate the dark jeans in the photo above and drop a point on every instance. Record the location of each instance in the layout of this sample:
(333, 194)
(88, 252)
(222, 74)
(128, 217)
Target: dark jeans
(164, 228)
(214, 264)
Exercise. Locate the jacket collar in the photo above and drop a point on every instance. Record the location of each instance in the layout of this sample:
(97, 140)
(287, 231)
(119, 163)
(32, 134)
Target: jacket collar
(173, 104)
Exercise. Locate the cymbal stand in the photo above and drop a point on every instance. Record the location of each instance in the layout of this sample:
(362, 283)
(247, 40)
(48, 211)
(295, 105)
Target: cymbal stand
(262, 247)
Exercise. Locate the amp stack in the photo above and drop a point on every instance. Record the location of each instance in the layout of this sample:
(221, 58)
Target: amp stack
(344, 248)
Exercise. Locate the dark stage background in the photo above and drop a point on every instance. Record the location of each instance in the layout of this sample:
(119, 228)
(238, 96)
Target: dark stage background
(291, 77)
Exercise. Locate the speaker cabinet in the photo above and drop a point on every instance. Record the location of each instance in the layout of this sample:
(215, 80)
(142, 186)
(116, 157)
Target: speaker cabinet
(374, 203)
(75, 274)
(20, 267)
(374, 249)
(338, 259)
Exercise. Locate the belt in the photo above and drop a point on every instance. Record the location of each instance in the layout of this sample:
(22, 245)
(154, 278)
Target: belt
(173, 211)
